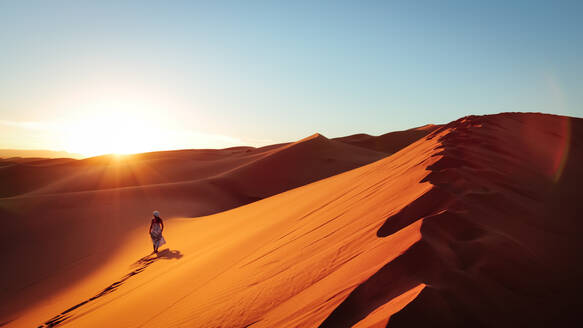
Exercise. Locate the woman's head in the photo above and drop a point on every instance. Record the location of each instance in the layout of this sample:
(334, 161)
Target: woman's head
(156, 214)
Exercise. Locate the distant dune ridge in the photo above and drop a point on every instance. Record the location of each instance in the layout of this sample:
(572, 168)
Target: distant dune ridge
(19, 154)
(474, 223)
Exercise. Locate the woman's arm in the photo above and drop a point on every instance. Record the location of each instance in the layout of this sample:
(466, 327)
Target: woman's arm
(151, 224)
(162, 223)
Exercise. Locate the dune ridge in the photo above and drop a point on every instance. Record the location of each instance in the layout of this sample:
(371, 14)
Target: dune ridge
(499, 243)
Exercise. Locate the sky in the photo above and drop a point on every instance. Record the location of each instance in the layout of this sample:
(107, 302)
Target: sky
(95, 77)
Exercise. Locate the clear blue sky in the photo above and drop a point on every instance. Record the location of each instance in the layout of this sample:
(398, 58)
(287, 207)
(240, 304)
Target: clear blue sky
(217, 73)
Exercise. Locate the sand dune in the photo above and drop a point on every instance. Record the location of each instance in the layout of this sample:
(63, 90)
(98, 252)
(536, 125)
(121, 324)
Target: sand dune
(474, 224)
(310, 159)
(62, 211)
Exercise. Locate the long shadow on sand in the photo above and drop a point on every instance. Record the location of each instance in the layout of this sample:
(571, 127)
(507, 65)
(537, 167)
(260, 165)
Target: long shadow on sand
(139, 266)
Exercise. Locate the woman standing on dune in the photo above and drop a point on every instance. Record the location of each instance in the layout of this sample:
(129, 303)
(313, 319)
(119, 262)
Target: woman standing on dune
(156, 228)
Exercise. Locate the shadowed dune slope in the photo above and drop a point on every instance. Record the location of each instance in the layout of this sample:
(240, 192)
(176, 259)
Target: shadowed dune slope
(313, 158)
(475, 224)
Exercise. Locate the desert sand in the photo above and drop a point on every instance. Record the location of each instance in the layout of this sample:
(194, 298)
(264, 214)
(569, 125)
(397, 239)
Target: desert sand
(474, 223)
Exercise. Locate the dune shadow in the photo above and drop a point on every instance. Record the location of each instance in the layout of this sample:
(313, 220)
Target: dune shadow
(391, 281)
(165, 254)
(139, 266)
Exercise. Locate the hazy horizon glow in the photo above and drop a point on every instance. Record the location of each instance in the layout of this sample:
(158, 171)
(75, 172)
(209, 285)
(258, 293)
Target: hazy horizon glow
(129, 76)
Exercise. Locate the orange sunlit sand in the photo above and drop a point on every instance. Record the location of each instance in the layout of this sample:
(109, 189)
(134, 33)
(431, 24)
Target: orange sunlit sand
(471, 223)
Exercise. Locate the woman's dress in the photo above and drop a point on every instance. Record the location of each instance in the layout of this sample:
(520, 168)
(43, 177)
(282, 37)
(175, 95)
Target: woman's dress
(156, 235)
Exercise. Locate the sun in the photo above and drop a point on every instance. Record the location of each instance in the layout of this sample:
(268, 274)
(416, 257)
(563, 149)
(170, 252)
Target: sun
(110, 133)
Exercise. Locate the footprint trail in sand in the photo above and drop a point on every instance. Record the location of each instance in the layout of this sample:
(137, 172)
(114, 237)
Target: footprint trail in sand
(140, 265)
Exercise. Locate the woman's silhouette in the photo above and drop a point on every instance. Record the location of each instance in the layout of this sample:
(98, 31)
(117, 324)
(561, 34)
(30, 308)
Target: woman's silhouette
(156, 228)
